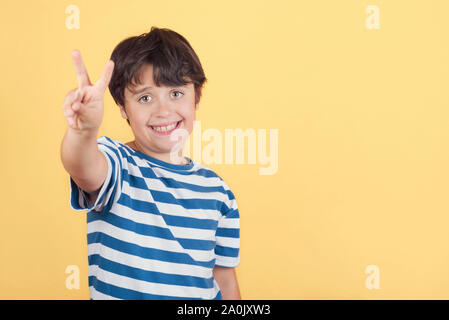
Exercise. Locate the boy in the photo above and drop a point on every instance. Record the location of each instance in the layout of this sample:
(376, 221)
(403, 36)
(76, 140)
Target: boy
(158, 226)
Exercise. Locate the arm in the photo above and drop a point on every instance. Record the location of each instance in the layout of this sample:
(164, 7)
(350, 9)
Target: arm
(83, 161)
(227, 281)
(83, 109)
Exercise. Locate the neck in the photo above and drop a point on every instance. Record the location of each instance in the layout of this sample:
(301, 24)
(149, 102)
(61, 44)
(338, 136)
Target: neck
(166, 157)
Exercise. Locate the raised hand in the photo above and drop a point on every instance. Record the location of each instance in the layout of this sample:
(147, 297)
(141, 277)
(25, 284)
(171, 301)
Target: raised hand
(83, 106)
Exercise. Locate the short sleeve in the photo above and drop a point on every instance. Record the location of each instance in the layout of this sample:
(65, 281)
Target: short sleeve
(110, 190)
(227, 248)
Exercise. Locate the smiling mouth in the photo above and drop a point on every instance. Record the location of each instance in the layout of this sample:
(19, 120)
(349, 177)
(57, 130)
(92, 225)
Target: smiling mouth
(167, 130)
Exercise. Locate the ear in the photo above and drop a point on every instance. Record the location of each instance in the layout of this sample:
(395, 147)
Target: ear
(123, 112)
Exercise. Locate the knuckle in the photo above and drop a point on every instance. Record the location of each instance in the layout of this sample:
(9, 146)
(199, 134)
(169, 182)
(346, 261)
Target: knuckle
(69, 96)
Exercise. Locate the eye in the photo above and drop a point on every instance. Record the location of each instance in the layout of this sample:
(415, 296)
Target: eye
(144, 98)
(179, 92)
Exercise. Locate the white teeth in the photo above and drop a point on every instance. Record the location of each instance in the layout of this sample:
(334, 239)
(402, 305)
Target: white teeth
(167, 128)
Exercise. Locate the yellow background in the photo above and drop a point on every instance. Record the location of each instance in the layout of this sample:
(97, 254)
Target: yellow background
(362, 115)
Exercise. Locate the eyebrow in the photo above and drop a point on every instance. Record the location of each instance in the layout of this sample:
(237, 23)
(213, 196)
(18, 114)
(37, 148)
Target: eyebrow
(140, 90)
(136, 92)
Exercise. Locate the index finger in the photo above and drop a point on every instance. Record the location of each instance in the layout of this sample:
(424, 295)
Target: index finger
(81, 73)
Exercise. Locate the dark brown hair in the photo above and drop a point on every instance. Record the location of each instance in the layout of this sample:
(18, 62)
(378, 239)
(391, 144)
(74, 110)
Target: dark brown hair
(174, 61)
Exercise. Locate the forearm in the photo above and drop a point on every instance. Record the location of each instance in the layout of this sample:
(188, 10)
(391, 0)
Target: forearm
(227, 281)
(80, 157)
(230, 291)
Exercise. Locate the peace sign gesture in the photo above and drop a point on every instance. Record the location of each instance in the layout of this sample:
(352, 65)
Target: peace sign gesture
(83, 106)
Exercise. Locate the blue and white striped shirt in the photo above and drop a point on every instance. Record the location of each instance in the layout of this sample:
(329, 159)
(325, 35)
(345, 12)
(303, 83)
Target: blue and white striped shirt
(157, 229)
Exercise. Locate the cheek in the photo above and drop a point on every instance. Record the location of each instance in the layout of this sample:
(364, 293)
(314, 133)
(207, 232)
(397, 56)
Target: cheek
(189, 116)
(140, 117)
(188, 124)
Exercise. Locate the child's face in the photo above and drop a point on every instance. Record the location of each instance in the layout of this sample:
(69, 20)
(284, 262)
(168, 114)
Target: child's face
(158, 106)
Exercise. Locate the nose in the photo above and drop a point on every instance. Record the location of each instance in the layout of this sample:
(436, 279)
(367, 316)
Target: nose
(164, 109)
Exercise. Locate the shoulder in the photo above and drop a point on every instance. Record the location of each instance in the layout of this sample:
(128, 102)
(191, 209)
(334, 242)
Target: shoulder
(113, 144)
(114, 148)
(110, 142)
(206, 172)
(214, 178)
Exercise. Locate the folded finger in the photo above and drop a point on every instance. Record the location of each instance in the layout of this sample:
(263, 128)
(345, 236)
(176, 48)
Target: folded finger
(77, 96)
(69, 97)
(76, 106)
(68, 112)
(71, 122)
